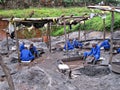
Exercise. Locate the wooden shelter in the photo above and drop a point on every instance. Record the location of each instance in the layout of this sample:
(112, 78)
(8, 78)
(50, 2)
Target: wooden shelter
(39, 22)
(112, 10)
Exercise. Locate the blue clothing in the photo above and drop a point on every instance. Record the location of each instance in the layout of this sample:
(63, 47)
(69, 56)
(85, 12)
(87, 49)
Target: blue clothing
(33, 50)
(26, 55)
(76, 43)
(21, 47)
(95, 51)
(118, 50)
(105, 44)
(70, 46)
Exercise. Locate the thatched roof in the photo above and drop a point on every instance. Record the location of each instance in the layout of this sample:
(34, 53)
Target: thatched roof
(39, 22)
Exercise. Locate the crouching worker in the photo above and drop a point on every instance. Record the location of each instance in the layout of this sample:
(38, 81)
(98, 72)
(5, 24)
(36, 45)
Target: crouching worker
(33, 50)
(94, 54)
(22, 46)
(68, 46)
(118, 50)
(105, 44)
(26, 55)
(77, 44)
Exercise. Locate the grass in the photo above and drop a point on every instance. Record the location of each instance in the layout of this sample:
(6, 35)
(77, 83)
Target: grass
(45, 12)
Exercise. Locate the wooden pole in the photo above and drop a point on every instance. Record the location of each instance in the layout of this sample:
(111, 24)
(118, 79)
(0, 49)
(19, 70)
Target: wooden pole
(65, 33)
(84, 31)
(111, 43)
(17, 43)
(104, 29)
(47, 32)
(7, 41)
(79, 33)
(7, 74)
(49, 37)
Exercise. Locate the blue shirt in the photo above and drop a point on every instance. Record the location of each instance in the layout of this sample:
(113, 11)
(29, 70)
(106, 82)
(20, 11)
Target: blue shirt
(33, 50)
(21, 47)
(118, 50)
(95, 51)
(26, 55)
(76, 43)
(105, 44)
(70, 46)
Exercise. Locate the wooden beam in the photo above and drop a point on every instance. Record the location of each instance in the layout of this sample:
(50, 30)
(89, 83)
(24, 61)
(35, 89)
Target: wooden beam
(111, 43)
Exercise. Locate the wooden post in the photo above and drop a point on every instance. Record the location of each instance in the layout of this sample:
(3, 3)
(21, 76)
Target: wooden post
(7, 74)
(84, 31)
(104, 29)
(79, 33)
(111, 43)
(17, 43)
(7, 41)
(65, 33)
(49, 37)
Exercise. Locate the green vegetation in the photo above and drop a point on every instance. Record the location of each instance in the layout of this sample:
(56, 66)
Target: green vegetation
(95, 23)
(45, 12)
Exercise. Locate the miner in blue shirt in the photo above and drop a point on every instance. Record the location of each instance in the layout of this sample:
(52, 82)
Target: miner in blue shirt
(68, 46)
(95, 53)
(22, 46)
(105, 44)
(118, 50)
(33, 50)
(26, 55)
(77, 44)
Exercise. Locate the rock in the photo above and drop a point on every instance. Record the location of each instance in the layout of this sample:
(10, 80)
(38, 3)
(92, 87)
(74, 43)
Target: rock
(32, 77)
(116, 35)
(4, 86)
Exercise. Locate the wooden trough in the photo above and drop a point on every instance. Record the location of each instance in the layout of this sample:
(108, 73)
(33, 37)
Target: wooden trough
(73, 62)
(116, 67)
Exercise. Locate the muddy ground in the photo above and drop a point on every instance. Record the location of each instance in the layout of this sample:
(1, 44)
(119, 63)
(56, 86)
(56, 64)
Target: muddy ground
(43, 73)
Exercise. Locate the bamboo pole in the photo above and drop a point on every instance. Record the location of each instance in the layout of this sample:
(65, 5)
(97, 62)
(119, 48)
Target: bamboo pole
(111, 43)
(17, 43)
(7, 74)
